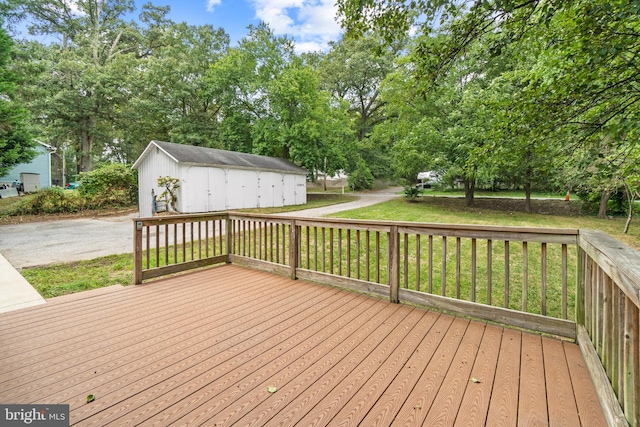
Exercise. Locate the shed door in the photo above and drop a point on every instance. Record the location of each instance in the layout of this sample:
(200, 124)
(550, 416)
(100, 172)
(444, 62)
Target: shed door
(197, 190)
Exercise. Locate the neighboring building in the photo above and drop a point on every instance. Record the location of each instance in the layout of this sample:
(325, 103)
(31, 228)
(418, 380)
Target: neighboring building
(36, 174)
(217, 180)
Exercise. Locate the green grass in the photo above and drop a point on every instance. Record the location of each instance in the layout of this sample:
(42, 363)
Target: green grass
(62, 279)
(425, 211)
(314, 200)
(68, 278)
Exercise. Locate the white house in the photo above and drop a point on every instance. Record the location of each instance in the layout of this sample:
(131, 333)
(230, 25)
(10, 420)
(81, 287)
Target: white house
(216, 180)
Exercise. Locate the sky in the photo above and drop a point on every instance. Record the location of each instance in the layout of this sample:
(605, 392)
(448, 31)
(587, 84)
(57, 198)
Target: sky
(311, 23)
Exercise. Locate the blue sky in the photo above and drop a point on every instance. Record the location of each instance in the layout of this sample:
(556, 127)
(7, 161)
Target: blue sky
(311, 23)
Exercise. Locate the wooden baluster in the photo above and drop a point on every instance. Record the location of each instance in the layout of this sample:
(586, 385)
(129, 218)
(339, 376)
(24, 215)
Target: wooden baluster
(489, 270)
(631, 401)
(393, 255)
(377, 257)
(192, 243)
(430, 278)
(543, 285)
(158, 245)
(357, 254)
(458, 257)
(339, 251)
(405, 260)
(564, 281)
(348, 252)
(418, 262)
(166, 244)
(506, 274)
(525, 276)
(444, 266)
(308, 246)
(368, 256)
(331, 250)
(473, 269)
(324, 259)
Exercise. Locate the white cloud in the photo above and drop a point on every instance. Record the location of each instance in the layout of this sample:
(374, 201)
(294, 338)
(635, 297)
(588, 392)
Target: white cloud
(211, 4)
(312, 23)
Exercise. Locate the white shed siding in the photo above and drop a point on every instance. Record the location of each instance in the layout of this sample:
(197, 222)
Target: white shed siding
(216, 180)
(270, 189)
(151, 168)
(301, 189)
(195, 189)
(218, 192)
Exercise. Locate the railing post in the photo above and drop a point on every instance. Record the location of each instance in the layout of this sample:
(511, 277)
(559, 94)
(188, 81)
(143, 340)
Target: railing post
(580, 308)
(137, 252)
(228, 237)
(293, 247)
(394, 264)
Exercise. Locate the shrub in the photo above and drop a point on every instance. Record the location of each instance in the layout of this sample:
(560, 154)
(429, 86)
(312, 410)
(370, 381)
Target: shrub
(411, 193)
(361, 178)
(50, 201)
(113, 184)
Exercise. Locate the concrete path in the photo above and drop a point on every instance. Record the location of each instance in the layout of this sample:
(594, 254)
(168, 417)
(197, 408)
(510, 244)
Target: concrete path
(67, 240)
(15, 291)
(364, 199)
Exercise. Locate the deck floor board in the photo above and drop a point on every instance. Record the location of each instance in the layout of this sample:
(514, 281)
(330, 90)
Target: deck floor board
(203, 349)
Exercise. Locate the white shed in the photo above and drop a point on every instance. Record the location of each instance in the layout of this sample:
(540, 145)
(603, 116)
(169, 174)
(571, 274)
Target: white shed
(217, 180)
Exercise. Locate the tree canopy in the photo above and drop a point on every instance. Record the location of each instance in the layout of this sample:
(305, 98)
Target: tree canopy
(15, 137)
(527, 94)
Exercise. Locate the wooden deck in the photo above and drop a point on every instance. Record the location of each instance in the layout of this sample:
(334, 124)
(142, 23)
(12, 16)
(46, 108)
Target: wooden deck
(204, 348)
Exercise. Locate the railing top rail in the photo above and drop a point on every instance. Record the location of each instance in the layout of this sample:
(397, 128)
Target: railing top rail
(617, 260)
(417, 225)
(176, 219)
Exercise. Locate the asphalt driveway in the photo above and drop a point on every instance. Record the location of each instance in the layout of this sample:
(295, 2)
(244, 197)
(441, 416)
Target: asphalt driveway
(67, 240)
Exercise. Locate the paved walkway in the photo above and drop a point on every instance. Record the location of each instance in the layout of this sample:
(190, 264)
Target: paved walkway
(52, 242)
(15, 291)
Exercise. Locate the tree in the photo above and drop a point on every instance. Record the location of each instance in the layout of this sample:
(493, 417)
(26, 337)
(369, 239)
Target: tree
(16, 144)
(239, 81)
(97, 51)
(577, 72)
(352, 71)
(173, 106)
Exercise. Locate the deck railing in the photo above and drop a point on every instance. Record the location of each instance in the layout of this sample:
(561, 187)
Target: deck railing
(581, 285)
(607, 318)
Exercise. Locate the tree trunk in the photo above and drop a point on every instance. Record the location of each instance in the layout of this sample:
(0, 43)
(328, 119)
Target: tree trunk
(469, 190)
(85, 157)
(604, 199)
(631, 200)
(527, 196)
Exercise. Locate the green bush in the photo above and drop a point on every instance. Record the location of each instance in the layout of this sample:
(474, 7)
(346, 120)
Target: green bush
(113, 184)
(51, 201)
(411, 193)
(361, 178)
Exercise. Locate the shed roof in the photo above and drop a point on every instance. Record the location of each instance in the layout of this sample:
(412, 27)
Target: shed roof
(204, 156)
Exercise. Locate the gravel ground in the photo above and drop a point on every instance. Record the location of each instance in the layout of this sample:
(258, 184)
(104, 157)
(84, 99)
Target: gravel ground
(67, 240)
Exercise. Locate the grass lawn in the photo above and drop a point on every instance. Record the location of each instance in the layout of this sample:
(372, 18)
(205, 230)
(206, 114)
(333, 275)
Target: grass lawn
(62, 279)
(314, 200)
(429, 210)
